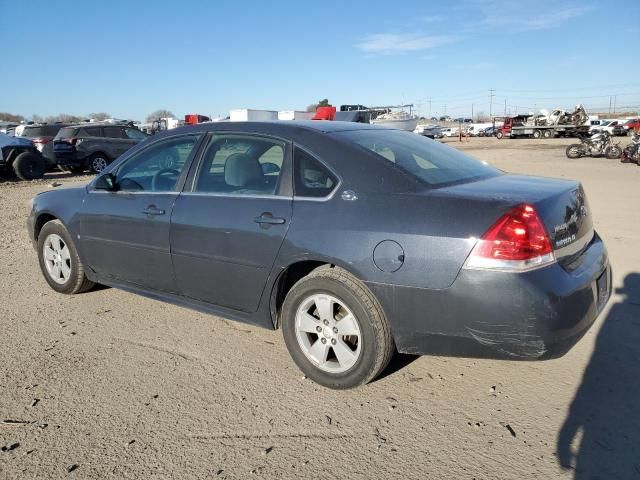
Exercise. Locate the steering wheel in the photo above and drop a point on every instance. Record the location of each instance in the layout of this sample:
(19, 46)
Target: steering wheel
(161, 174)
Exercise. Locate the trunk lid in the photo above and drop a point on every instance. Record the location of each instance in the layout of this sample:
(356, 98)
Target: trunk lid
(561, 204)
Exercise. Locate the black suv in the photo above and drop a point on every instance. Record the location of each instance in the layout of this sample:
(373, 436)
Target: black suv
(93, 146)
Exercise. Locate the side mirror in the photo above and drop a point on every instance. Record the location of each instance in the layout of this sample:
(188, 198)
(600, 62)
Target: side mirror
(269, 167)
(105, 182)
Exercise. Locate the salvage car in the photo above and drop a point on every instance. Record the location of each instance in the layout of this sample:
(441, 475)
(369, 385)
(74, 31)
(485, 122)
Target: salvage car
(21, 157)
(93, 146)
(355, 240)
(42, 136)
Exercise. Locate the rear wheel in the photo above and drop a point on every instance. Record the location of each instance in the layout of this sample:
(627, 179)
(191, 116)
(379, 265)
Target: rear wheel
(335, 329)
(29, 166)
(574, 151)
(499, 135)
(546, 134)
(59, 260)
(537, 134)
(98, 162)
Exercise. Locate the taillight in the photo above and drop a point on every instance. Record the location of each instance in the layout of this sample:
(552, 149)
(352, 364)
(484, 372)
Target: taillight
(41, 141)
(518, 241)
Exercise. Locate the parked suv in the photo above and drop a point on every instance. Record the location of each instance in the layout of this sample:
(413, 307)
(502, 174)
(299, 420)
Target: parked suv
(42, 135)
(93, 146)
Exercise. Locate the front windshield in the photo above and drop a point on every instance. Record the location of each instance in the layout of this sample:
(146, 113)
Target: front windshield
(426, 160)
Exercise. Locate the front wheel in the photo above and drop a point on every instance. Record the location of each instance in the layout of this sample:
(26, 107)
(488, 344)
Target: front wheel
(574, 151)
(499, 135)
(59, 260)
(614, 152)
(335, 329)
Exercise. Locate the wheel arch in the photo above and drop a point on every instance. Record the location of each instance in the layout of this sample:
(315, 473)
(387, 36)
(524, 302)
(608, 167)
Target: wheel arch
(40, 222)
(289, 276)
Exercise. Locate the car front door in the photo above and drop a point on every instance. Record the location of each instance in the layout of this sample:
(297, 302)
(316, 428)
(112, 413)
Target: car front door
(229, 223)
(125, 232)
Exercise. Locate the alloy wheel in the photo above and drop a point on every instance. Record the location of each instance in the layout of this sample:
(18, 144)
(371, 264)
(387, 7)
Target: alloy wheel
(98, 164)
(57, 259)
(328, 333)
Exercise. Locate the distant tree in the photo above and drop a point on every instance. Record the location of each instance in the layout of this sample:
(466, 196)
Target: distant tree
(11, 117)
(159, 114)
(63, 117)
(99, 116)
(35, 118)
(314, 106)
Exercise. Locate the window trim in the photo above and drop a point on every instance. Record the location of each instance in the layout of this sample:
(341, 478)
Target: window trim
(181, 179)
(321, 162)
(285, 183)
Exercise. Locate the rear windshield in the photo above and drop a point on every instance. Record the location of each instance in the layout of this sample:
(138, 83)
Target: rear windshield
(67, 133)
(41, 131)
(428, 161)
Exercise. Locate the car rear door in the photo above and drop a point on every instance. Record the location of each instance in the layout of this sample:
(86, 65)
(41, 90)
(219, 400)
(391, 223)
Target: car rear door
(229, 224)
(125, 233)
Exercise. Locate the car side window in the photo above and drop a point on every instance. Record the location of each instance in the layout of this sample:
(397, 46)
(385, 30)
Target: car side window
(158, 167)
(241, 165)
(113, 132)
(134, 134)
(312, 179)
(91, 132)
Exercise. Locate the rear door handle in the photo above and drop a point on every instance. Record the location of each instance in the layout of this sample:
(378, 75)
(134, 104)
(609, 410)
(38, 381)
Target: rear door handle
(267, 218)
(153, 210)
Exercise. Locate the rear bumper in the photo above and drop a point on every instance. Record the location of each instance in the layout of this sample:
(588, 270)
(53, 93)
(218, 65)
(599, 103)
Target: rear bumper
(68, 159)
(534, 315)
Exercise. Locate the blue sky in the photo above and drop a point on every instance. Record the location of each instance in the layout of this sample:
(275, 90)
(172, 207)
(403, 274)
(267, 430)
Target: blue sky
(129, 58)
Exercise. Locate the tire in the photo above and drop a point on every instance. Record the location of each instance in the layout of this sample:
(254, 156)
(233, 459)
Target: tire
(374, 347)
(614, 152)
(29, 166)
(537, 134)
(98, 162)
(55, 239)
(574, 150)
(546, 134)
(499, 135)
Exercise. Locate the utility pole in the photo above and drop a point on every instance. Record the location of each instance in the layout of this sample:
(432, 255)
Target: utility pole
(472, 111)
(615, 100)
(610, 104)
(491, 95)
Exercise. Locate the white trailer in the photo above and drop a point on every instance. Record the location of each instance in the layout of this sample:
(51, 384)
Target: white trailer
(249, 115)
(295, 115)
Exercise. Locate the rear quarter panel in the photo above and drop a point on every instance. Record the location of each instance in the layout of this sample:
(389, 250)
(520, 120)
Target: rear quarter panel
(436, 235)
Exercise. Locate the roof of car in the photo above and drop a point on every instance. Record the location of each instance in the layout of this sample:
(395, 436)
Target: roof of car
(281, 126)
(96, 124)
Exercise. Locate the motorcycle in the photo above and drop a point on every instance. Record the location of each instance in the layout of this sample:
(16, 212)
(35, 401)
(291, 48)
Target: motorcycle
(596, 145)
(631, 153)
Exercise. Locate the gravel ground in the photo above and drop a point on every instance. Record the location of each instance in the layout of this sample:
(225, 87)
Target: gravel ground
(112, 385)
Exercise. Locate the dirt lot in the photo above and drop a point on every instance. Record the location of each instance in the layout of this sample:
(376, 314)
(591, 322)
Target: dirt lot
(112, 385)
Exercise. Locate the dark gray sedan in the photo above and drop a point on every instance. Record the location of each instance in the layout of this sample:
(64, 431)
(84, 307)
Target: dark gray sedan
(354, 240)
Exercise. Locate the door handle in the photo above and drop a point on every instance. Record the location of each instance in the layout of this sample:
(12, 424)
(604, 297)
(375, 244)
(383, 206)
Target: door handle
(153, 210)
(268, 219)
